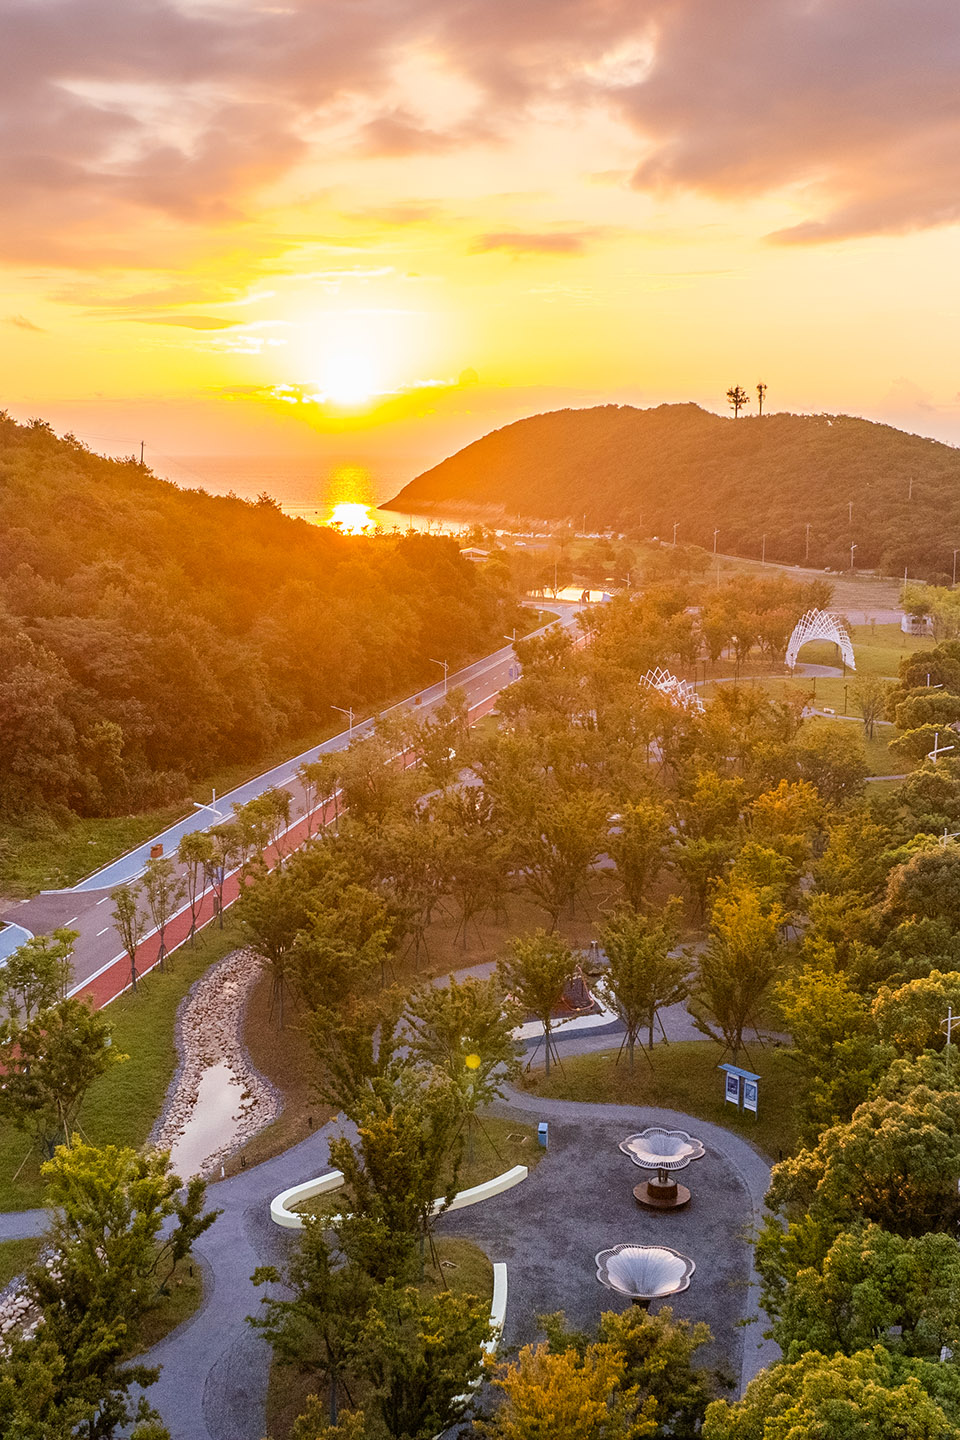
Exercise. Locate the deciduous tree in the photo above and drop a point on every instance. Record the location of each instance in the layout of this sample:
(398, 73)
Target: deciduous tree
(545, 1395)
(271, 911)
(535, 974)
(642, 974)
(195, 853)
(638, 842)
(870, 1287)
(658, 1353)
(871, 1395)
(164, 893)
(131, 923)
(738, 965)
(36, 975)
(48, 1064)
(421, 1356)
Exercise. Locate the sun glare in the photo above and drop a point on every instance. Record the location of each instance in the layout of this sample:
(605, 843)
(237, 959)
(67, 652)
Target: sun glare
(350, 378)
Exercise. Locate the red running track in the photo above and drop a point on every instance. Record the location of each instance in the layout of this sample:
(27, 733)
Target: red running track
(114, 979)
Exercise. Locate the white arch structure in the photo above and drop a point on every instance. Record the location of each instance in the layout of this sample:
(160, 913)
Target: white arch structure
(678, 692)
(820, 625)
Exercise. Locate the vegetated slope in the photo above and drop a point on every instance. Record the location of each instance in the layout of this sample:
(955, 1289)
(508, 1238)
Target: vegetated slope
(646, 469)
(149, 633)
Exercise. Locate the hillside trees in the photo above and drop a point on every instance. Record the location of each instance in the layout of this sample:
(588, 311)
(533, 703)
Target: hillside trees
(149, 634)
(650, 468)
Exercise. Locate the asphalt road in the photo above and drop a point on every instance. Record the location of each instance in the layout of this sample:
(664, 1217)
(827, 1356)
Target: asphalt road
(101, 969)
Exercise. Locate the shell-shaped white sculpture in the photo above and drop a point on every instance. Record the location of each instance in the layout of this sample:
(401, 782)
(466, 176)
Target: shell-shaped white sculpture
(644, 1272)
(660, 1149)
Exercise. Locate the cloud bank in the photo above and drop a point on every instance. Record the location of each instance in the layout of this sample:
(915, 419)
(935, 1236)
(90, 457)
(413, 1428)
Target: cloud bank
(113, 108)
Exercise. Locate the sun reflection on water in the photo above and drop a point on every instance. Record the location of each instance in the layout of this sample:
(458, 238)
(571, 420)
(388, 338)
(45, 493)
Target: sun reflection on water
(350, 496)
(350, 518)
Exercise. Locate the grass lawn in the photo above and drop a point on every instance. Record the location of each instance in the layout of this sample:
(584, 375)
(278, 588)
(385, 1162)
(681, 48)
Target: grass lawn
(185, 1288)
(122, 1105)
(464, 1268)
(48, 855)
(683, 1076)
(497, 1147)
(16, 1256)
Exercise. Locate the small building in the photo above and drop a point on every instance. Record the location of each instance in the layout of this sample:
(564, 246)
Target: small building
(472, 553)
(916, 624)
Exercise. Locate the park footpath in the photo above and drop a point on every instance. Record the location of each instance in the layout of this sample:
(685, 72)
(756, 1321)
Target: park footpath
(213, 1384)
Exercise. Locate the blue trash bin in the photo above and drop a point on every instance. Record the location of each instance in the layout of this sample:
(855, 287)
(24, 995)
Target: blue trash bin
(542, 1132)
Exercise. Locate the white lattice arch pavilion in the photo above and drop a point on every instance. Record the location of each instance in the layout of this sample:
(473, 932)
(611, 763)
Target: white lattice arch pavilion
(678, 692)
(820, 625)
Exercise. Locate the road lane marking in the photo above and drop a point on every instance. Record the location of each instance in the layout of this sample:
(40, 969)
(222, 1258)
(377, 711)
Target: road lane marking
(71, 920)
(103, 931)
(104, 900)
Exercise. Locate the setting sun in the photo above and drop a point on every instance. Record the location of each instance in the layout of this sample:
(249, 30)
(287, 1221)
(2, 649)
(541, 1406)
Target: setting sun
(350, 378)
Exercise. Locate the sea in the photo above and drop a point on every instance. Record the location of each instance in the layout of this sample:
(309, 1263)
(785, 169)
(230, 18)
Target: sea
(345, 495)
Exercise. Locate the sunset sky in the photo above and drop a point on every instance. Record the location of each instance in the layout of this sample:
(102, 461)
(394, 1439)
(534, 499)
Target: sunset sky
(381, 227)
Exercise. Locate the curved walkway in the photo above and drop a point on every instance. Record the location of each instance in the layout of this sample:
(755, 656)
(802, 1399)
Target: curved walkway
(215, 1367)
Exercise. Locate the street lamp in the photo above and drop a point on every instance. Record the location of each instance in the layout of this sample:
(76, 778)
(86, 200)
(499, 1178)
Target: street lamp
(348, 712)
(806, 553)
(938, 749)
(675, 524)
(715, 534)
(955, 554)
(763, 550)
(852, 548)
(445, 668)
(212, 807)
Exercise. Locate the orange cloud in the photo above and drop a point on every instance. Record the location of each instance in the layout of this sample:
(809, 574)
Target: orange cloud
(550, 242)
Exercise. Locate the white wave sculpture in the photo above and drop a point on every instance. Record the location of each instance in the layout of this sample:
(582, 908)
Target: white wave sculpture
(820, 625)
(679, 692)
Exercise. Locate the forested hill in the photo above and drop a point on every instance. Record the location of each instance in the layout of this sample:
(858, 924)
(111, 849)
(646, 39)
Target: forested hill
(149, 634)
(646, 469)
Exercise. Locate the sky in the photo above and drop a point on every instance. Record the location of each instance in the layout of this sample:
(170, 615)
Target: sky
(379, 228)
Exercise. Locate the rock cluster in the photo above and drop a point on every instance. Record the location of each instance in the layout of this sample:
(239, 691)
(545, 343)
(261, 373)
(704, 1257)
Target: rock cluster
(19, 1317)
(16, 1310)
(210, 1030)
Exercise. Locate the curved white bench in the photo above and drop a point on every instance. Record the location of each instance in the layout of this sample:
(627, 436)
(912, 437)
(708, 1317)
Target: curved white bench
(498, 1306)
(281, 1212)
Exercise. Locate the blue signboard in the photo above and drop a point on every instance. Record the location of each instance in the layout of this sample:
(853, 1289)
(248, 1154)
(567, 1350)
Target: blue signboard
(744, 1096)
